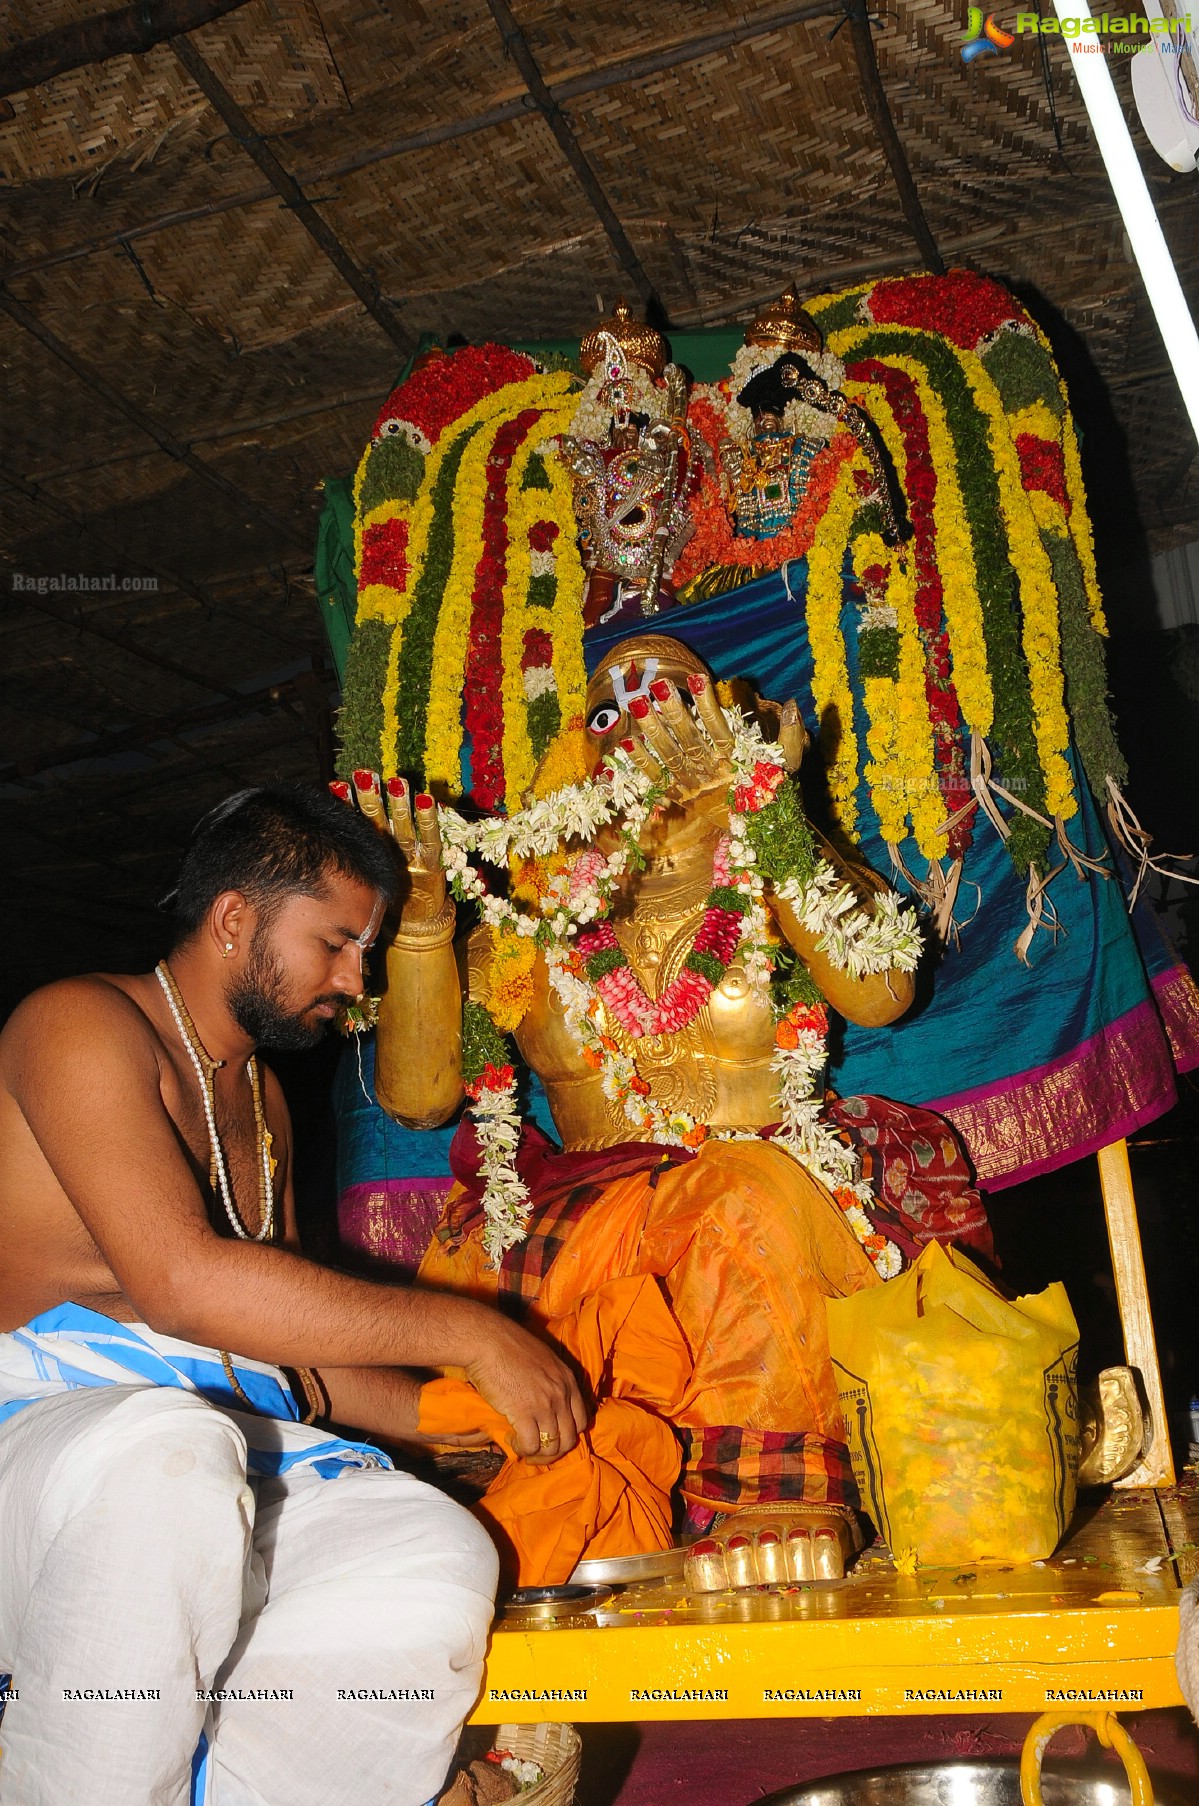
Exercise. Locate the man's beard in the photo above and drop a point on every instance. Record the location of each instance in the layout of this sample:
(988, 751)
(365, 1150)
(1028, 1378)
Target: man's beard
(256, 1003)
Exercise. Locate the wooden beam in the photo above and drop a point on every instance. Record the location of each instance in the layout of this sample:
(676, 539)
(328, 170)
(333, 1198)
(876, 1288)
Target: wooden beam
(516, 46)
(230, 429)
(161, 728)
(594, 81)
(292, 195)
(34, 492)
(31, 489)
(877, 105)
(167, 441)
(127, 32)
(88, 624)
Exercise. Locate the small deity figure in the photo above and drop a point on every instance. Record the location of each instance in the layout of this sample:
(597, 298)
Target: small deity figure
(628, 463)
(765, 474)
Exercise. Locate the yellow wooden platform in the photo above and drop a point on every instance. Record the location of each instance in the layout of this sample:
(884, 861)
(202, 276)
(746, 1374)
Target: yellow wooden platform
(1096, 1624)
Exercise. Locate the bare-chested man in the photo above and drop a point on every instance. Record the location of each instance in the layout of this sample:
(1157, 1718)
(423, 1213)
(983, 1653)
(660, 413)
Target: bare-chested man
(200, 1598)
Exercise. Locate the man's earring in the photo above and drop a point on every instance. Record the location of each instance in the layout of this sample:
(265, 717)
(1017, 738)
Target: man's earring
(227, 950)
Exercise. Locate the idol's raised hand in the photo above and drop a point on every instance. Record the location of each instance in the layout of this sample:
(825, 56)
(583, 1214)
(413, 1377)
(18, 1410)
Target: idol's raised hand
(665, 739)
(412, 824)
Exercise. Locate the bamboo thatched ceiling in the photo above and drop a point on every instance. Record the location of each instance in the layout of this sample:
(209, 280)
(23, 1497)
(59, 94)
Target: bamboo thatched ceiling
(217, 254)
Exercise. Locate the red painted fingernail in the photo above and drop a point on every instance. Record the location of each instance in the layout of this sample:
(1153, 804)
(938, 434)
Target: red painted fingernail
(341, 790)
(626, 746)
(365, 780)
(660, 689)
(765, 1537)
(424, 801)
(697, 683)
(639, 707)
(737, 1542)
(396, 787)
(707, 1547)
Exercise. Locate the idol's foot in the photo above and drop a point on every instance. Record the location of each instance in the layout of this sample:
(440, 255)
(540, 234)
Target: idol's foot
(774, 1543)
(1113, 1427)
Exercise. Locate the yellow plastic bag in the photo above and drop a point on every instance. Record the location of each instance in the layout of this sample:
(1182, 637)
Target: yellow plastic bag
(961, 1411)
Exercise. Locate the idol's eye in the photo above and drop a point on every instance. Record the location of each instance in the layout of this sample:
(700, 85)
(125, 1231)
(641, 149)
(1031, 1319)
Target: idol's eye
(389, 429)
(603, 719)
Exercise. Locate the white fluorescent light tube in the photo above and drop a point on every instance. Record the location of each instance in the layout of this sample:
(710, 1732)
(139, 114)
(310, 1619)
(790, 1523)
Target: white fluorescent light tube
(1136, 208)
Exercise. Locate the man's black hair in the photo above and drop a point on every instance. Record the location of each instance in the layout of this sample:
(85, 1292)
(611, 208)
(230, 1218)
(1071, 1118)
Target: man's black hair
(276, 841)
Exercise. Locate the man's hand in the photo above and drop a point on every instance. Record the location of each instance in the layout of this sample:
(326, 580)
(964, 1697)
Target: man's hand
(524, 1380)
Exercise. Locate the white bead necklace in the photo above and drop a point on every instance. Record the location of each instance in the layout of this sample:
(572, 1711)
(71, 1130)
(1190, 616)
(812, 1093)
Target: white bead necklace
(162, 973)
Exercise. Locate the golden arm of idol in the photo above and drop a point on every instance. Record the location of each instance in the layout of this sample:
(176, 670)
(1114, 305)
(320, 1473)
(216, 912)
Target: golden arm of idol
(872, 1001)
(418, 1049)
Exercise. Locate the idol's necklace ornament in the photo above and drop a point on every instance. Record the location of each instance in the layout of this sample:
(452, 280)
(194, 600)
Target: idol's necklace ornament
(628, 463)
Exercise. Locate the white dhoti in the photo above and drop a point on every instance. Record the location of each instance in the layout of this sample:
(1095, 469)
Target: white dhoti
(175, 1631)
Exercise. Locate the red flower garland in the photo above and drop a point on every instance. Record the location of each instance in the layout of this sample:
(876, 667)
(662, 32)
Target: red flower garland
(385, 555)
(963, 307)
(1043, 466)
(483, 716)
(441, 388)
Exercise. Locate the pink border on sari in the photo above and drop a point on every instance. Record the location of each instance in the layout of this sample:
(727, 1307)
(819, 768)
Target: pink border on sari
(392, 1220)
(1110, 1085)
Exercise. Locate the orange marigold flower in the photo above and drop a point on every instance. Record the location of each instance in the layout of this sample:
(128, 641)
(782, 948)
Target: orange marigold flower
(695, 1138)
(786, 1034)
(638, 1084)
(593, 1057)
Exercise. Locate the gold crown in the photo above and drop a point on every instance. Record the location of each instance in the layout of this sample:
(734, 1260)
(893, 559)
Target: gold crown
(785, 324)
(640, 343)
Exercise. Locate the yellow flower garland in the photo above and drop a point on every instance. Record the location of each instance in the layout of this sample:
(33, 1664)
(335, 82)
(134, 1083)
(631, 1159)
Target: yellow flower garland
(1039, 609)
(1081, 531)
(830, 676)
(570, 670)
(525, 507)
(954, 550)
(443, 736)
(882, 742)
(908, 778)
(451, 639)
(510, 978)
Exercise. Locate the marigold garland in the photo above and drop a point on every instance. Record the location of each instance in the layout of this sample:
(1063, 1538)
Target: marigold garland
(910, 773)
(448, 598)
(930, 506)
(830, 675)
(1038, 601)
(714, 543)
(1013, 726)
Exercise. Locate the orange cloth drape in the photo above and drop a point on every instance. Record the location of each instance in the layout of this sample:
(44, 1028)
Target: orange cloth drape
(746, 1246)
(611, 1494)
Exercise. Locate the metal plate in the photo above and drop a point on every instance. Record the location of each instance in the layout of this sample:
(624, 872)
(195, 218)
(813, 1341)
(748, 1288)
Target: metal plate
(627, 1570)
(545, 1605)
(966, 1784)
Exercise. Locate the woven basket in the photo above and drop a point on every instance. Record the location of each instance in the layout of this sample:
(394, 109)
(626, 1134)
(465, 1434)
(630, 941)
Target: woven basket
(556, 1747)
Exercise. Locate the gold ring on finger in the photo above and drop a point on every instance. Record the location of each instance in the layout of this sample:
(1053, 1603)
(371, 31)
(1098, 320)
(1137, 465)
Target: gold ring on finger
(546, 1438)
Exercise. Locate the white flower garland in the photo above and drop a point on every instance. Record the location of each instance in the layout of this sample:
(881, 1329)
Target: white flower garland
(593, 417)
(855, 941)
